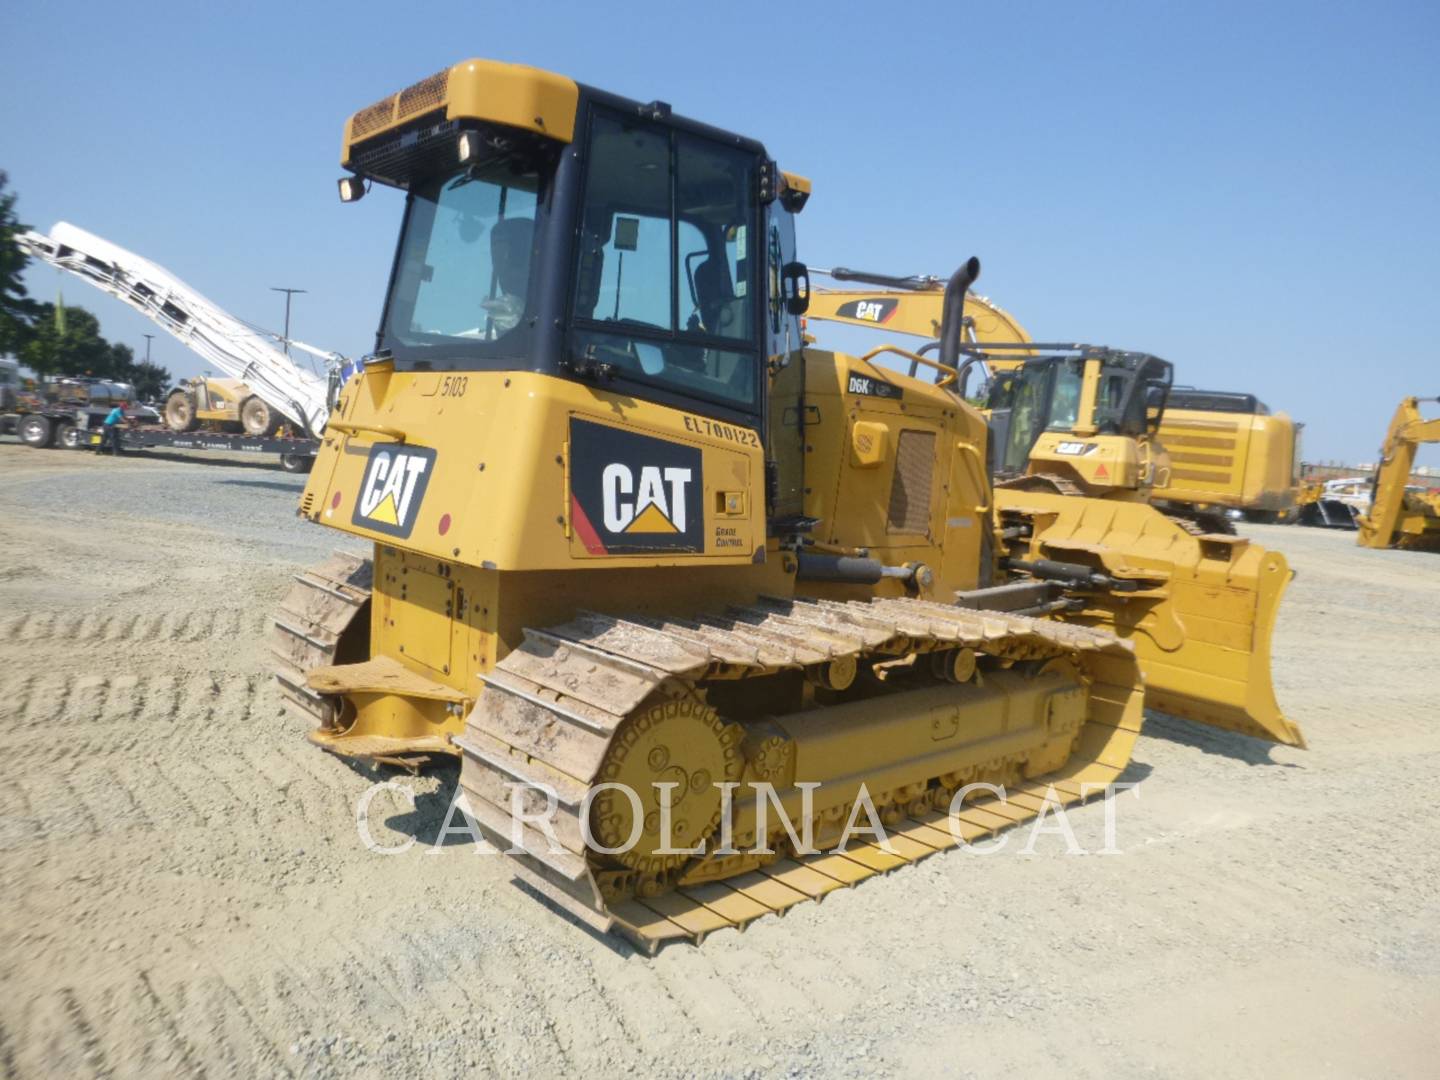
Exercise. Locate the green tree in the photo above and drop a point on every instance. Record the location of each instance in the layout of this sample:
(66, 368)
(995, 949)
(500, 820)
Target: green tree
(83, 350)
(151, 380)
(17, 310)
(42, 345)
(119, 362)
(67, 341)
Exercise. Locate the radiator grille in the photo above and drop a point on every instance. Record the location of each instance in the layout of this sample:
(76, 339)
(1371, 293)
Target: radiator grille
(910, 488)
(424, 95)
(372, 118)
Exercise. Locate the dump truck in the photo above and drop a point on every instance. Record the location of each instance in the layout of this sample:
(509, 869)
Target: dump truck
(638, 548)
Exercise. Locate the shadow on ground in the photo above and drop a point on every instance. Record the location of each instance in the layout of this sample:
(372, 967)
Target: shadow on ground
(269, 462)
(1213, 740)
(274, 485)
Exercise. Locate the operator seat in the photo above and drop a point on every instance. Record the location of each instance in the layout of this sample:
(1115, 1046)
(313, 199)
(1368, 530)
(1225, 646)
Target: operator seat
(723, 314)
(715, 297)
(511, 241)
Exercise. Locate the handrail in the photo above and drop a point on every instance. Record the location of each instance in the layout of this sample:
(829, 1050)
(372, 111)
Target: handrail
(968, 451)
(947, 373)
(355, 429)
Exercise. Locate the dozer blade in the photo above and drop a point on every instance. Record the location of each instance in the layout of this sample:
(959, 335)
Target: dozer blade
(602, 702)
(1201, 614)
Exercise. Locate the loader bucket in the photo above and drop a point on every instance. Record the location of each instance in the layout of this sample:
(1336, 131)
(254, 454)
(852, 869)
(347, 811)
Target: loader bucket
(1201, 615)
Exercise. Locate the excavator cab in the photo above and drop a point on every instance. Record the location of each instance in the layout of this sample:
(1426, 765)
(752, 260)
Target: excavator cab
(1083, 415)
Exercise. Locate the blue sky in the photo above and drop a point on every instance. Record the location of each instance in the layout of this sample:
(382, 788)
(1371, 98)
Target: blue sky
(1251, 191)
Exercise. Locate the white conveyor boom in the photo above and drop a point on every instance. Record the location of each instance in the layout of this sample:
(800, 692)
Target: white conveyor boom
(201, 325)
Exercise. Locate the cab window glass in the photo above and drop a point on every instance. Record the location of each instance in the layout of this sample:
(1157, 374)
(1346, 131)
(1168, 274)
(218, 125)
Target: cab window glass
(1065, 403)
(664, 285)
(464, 265)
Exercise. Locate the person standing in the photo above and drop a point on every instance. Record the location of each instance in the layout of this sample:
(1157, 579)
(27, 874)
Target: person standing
(111, 434)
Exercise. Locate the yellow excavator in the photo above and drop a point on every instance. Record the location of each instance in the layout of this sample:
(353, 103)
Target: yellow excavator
(1229, 454)
(672, 585)
(913, 305)
(1399, 517)
(1202, 457)
(1055, 410)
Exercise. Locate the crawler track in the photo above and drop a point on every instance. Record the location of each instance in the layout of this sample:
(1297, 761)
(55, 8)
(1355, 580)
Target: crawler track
(323, 619)
(554, 713)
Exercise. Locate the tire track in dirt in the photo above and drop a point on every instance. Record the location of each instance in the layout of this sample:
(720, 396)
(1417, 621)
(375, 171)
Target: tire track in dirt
(93, 1055)
(80, 628)
(162, 1017)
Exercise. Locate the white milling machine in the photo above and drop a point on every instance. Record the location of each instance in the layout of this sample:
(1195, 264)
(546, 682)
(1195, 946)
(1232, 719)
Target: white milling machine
(199, 324)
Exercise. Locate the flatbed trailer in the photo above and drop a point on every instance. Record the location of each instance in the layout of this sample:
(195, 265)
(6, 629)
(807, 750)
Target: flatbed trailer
(296, 454)
(80, 427)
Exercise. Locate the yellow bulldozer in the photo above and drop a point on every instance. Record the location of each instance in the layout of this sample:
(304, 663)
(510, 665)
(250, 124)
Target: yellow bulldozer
(682, 594)
(1209, 457)
(219, 405)
(1398, 515)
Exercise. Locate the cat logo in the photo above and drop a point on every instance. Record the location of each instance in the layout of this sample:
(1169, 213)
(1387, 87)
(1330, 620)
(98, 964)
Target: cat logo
(632, 493)
(393, 489)
(871, 311)
(651, 510)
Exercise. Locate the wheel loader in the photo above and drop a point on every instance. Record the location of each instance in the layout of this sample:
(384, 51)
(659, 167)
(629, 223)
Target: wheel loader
(640, 555)
(221, 405)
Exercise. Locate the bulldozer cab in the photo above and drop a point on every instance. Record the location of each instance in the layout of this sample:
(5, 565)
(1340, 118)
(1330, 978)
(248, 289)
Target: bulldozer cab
(1082, 390)
(622, 246)
(619, 247)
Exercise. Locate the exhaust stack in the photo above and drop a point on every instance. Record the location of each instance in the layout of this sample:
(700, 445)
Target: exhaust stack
(952, 319)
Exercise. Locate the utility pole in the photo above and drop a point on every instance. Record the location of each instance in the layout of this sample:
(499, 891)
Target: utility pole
(288, 294)
(148, 338)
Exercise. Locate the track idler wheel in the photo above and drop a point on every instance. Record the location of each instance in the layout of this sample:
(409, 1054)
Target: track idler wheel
(675, 741)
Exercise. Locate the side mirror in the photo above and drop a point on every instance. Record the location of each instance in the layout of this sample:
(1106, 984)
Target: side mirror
(795, 281)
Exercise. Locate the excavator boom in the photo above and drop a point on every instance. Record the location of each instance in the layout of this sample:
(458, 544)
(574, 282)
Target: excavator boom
(914, 306)
(1398, 518)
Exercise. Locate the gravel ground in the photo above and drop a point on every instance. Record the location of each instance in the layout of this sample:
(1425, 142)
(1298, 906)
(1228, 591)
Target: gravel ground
(185, 890)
